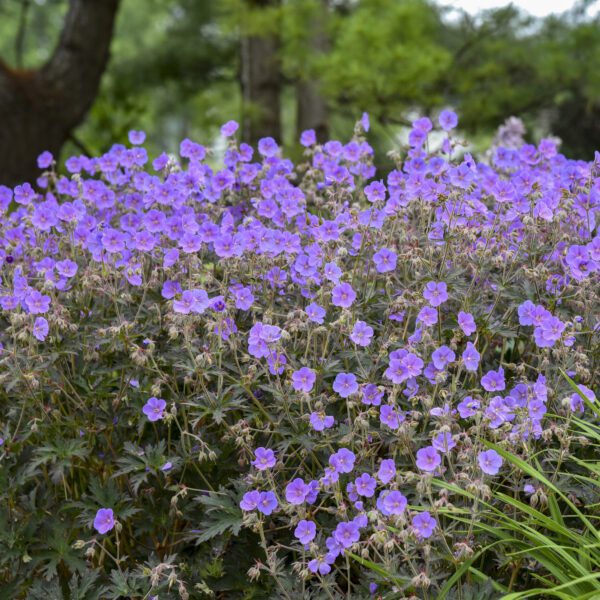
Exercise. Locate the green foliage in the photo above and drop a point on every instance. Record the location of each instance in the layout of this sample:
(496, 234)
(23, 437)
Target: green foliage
(175, 66)
(385, 56)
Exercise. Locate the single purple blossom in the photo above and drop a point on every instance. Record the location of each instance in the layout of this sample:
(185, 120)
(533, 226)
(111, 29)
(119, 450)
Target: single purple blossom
(40, 329)
(154, 409)
(305, 531)
(343, 295)
(37, 303)
(45, 160)
(137, 137)
(250, 500)
(490, 462)
(423, 525)
(342, 461)
(428, 459)
(385, 260)
(470, 357)
(467, 323)
(308, 138)
(346, 534)
(493, 381)
(320, 421)
(315, 313)
(387, 470)
(365, 485)
(345, 384)
(361, 333)
(104, 520)
(443, 442)
(468, 407)
(394, 503)
(303, 380)
(428, 316)
(389, 415)
(442, 357)
(296, 491)
(448, 120)
(267, 502)
(264, 458)
(229, 128)
(436, 293)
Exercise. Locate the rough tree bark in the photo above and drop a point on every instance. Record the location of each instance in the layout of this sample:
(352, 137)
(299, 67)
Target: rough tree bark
(260, 78)
(40, 108)
(311, 107)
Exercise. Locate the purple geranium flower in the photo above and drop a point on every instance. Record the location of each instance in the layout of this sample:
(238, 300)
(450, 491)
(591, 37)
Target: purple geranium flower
(423, 525)
(428, 459)
(577, 403)
(40, 329)
(37, 303)
(467, 323)
(308, 138)
(250, 500)
(346, 534)
(154, 409)
(493, 381)
(371, 395)
(343, 295)
(448, 120)
(315, 313)
(387, 470)
(490, 462)
(297, 491)
(468, 407)
(436, 293)
(104, 520)
(243, 298)
(361, 333)
(137, 137)
(428, 316)
(321, 565)
(303, 379)
(385, 260)
(443, 442)
(442, 357)
(320, 421)
(365, 485)
(267, 502)
(394, 503)
(44, 160)
(345, 384)
(305, 531)
(264, 458)
(342, 461)
(66, 268)
(389, 415)
(268, 147)
(375, 191)
(470, 357)
(229, 128)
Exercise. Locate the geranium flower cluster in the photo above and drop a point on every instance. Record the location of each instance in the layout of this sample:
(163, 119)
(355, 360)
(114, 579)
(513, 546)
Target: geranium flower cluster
(352, 338)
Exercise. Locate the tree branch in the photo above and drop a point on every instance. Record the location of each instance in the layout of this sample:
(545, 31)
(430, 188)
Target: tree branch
(74, 70)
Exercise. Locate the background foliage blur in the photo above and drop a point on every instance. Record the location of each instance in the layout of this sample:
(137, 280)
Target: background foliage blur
(177, 68)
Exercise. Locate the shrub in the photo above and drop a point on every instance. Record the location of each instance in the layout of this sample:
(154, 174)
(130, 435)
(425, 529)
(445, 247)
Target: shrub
(267, 380)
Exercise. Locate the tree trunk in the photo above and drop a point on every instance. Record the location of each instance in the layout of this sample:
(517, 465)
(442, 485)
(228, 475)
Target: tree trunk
(39, 109)
(311, 107)
(311, 110)
(260, 79)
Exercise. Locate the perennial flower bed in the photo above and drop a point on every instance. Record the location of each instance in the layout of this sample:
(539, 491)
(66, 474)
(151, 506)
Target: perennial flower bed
(268, 380)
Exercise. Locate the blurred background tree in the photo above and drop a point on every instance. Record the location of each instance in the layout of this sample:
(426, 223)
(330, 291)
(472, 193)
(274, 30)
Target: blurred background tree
(180, 68)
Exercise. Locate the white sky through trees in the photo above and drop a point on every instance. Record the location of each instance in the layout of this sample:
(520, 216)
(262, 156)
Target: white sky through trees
(538, 8)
